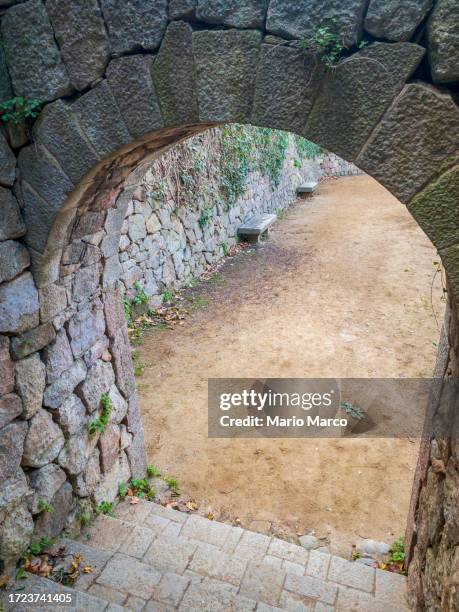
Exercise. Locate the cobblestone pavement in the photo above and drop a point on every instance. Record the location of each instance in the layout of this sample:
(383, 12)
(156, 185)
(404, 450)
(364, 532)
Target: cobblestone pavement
(157, 559)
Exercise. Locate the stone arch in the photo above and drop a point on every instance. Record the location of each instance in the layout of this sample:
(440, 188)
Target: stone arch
(122, 82)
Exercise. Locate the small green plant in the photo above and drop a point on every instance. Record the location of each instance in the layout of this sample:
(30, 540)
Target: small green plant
(37, 548)
(44, 506)
(397, 551)
(107, 508)
(307, 149)
(225, 248)
(122, 490)
(353, 411)
(127, 310)
(216, 278)
(153, 471)
(172, 482)
(326, 45)
(168, 296)
(280, 212)
(19, 110)
(21, 574)
(140, 297)
(142, 488)
(139, 366)
(204, 219)
(296, 163)
(99, 425)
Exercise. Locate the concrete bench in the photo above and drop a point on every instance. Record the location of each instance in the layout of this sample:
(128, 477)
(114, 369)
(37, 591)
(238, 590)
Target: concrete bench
(254, 228)
(309, 187)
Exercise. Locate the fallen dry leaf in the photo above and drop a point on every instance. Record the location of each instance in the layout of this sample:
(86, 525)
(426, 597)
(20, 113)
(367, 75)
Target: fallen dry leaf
(134, 500)
(87, 569)
(4, 580)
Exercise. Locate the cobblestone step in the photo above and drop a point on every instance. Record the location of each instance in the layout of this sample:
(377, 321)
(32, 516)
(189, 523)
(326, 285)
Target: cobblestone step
(154, 558)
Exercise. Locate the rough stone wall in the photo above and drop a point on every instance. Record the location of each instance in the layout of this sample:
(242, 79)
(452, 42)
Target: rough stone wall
(166, 240)
(333, 165)
(119, 82)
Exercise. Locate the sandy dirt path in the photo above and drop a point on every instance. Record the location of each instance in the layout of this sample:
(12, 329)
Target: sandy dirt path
(341, 289)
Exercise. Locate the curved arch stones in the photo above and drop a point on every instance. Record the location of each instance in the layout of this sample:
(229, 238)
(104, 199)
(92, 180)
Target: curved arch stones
(121, 82)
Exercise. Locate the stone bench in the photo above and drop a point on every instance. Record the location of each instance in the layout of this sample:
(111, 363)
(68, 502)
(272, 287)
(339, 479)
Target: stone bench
(256, 227)
(307, 188)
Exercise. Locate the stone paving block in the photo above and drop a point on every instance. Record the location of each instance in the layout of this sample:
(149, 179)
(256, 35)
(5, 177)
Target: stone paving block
(138, 542)
(171, 588)
(170, 554)
(199, 528)
(351, 574)
(321, 607)
(358, 601)
(292, 568)
(155, 523)
(390, 587)
(252, 546)
(262, 583)
(106, 593)
(132, 513)
(212, 595)
(273, 561)
(265, 608)
(130, 575)
(218, 565)
(297, 603)
(108, 533)
(169, 513)
(311, 587)
(318, 564)
(96, 559)
(173, 530)
(135, 603)
(232, 540)
(288, 551)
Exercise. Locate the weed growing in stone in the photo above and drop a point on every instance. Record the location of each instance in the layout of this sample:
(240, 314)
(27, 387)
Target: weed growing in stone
(153, 471)
(19, 110)
(397, 551)
(107, 508)
(99, 425)
(140, 297)
(168, 296)
(172, 482)
(44, 506)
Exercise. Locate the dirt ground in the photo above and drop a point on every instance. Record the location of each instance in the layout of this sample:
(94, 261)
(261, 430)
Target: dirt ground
(341, 289)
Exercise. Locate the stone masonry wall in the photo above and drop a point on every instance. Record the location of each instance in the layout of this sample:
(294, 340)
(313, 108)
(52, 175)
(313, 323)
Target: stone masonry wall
(333, 165)
(164, 243)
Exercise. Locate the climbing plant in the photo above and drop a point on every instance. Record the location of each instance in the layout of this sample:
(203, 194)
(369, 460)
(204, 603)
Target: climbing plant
(19, 110)
(307, 149)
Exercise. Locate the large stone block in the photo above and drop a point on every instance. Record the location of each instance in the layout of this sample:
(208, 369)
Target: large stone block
(109, 445)
(14, 258)
(18, 305)
(436, 209)
(15, 533)
(101, 120)
(45, 482)
(108, 488)
(302, 18)
(13, 491)
(137, 455)
(43, 442)
(10, 408)
(30, 383)
(57, 357)
(233, 13)
(395, 19)
(82, 38)
(354, 97)
(443, 41)
(6, 367)
(98, 381)
(175, 79)
(51, 524)
(286, 85)
(450, 259)
(71, 415)
(85, 328)
(60, 390)
(11, 223)
(226, 66)
(58, 130)
(32, 341)
(416, 138)
(7, 163)
(119, 405)
(11, 446)
(182, 9)
(87, 481)
(32, 55)
(85, 282)
(77, 449)
(114, 312)
(135, 25)
(122, 362)
(53, 300)
(131, 83)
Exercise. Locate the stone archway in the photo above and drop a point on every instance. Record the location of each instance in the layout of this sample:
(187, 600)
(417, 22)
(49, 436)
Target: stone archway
(122, 82)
